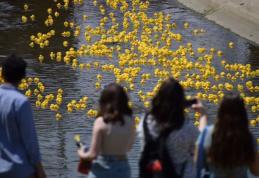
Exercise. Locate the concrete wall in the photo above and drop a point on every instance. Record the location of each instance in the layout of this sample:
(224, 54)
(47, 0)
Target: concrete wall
(240, 16)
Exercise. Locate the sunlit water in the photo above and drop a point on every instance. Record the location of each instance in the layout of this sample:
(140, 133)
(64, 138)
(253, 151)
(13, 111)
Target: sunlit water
(56, 138)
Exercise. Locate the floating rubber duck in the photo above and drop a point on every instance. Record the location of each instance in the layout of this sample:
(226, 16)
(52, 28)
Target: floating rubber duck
(32, 17)
(41, 58)
(92, 113)
(58, 116)
(56, 14)
(25, 7)
(231, 44)
(24, 19)
(186, 25)
(253, 123)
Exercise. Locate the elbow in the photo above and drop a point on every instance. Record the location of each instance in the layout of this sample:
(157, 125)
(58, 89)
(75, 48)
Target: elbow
(92, 155)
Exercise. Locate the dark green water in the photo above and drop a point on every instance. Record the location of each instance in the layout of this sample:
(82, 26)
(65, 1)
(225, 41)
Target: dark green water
(56, 138)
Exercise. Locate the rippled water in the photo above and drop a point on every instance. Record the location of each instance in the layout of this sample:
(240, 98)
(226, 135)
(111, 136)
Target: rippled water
(56, 138)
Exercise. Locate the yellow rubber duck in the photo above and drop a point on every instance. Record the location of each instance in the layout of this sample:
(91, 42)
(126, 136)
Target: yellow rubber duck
(231, 44)
(41, 58)
(24, 19)
(25, 7)
(58, 116)
(32, 17)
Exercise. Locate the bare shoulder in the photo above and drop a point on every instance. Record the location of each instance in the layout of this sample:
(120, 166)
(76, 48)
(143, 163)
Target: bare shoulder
(99, 123)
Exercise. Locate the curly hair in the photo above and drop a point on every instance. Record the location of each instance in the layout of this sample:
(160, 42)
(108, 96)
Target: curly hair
(13, 69)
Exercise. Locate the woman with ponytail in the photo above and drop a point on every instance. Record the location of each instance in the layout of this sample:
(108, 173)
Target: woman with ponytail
(113, 135)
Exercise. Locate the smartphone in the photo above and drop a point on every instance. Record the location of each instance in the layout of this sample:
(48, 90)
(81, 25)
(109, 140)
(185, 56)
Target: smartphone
(81, 145)
(78, 144)
(190, 102)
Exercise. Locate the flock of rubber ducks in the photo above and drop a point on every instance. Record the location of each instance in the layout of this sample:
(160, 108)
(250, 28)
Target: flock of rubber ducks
(139, 49)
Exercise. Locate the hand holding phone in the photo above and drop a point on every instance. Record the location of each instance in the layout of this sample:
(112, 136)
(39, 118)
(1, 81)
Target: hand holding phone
(198, 107)
(190, 102)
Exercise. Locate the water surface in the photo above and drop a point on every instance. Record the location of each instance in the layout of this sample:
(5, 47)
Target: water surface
(56, 138)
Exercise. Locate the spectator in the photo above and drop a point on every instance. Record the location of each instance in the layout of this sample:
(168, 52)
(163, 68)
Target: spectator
(167, 121)
(230, 149)
(19, 149)
(113, 135)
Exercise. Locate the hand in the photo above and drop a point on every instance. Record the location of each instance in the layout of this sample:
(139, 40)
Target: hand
(40, 171)
(81, 152)
(198, 107)
(41, 174)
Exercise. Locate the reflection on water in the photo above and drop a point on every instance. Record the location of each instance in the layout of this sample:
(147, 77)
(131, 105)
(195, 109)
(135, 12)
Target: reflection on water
(56, 138)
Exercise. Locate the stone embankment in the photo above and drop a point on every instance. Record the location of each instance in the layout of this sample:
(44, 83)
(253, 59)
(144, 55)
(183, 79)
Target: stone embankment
(240, 16)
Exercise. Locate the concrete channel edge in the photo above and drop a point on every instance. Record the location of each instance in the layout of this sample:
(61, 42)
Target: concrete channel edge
(240, 16)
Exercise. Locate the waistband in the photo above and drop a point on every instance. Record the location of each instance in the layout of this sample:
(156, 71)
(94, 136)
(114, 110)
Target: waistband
(114, 157)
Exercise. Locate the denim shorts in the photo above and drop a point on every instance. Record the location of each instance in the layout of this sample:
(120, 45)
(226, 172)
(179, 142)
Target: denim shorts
(109, 167)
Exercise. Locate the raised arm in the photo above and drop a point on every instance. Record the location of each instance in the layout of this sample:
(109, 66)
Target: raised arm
(203, 122)
(198, 107)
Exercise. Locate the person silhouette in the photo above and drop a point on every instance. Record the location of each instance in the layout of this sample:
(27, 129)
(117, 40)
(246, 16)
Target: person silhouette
(19, 148)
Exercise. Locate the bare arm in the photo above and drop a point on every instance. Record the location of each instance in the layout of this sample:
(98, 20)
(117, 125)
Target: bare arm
(203, 122)
(198, 107)
(254, 168)
(95, 143)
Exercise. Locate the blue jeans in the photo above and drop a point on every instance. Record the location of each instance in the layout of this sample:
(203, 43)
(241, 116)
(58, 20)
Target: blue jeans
(109, 167)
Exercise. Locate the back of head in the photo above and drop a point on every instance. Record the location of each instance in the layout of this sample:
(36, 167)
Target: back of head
(114, 104)
(232, 143)
(168, 105)
(13, 69)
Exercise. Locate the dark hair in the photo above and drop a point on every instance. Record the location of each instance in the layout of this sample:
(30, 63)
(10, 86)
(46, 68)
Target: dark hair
(232, 142)
(168, 106)
(13, 69)
(114, 104)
